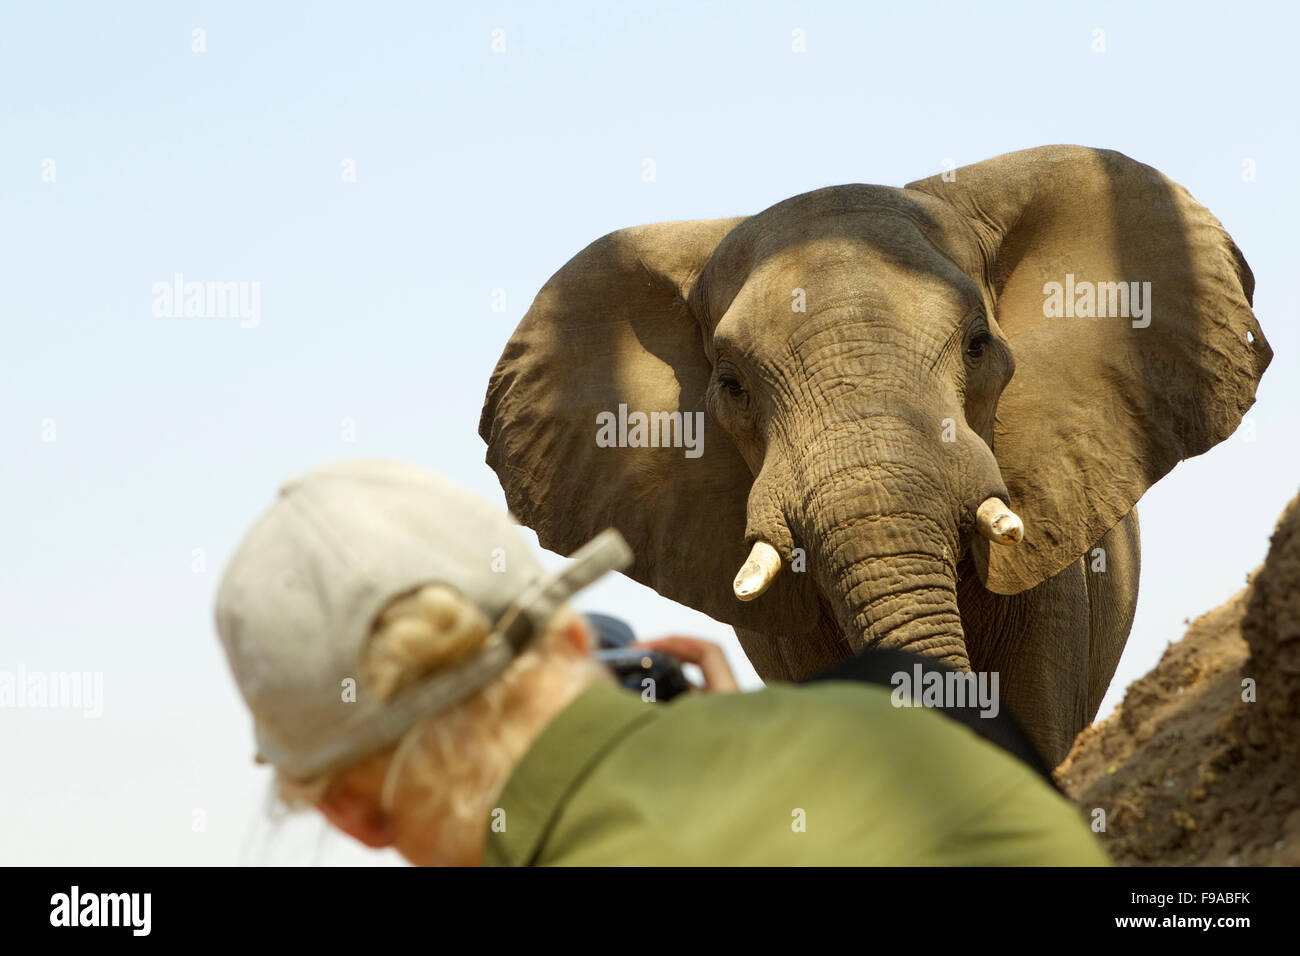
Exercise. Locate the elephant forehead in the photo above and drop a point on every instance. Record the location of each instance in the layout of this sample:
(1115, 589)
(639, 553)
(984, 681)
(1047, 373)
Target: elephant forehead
(890, 220)
(824, 284)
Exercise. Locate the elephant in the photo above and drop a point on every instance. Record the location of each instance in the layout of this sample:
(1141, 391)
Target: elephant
(926, 413)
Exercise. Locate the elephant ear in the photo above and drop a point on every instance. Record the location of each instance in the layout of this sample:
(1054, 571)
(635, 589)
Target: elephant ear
(1099, 409)
(613, 328)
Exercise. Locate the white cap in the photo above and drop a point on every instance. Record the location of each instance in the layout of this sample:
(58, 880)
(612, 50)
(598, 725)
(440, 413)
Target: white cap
(298, 599)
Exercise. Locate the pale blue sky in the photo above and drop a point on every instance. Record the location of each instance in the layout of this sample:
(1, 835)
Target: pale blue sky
(477, 171)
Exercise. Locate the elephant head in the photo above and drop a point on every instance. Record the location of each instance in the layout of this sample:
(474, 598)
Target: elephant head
(880, 374)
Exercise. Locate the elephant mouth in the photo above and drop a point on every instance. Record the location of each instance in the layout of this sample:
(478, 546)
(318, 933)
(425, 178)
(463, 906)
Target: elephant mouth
(994, 520)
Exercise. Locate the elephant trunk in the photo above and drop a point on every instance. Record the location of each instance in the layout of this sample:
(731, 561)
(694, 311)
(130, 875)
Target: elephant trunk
(902, 595)
(884, 545)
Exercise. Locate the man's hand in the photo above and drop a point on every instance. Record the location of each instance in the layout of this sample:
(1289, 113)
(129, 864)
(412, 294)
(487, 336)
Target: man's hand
(705, 655)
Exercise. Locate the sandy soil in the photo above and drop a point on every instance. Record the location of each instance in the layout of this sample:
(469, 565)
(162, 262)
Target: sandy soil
(1186, 770)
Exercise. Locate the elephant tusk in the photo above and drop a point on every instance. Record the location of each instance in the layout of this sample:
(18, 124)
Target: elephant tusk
(758, 572)
(999, 523)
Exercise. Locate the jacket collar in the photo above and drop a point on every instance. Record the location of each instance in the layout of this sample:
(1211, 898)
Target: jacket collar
(568, 748)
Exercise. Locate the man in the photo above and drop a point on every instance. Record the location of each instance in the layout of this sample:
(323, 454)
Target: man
(414, 675)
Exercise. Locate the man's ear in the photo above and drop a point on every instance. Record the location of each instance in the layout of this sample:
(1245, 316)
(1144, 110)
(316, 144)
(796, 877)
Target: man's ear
(578, 635)
(358, 813)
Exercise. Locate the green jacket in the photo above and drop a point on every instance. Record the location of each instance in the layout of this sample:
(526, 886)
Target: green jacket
(823, 774)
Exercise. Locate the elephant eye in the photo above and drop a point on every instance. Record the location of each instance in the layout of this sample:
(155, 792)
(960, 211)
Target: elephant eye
(976, 347)
(731, 384)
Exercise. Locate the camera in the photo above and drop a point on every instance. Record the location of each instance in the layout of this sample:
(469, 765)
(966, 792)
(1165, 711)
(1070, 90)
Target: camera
(633, 666)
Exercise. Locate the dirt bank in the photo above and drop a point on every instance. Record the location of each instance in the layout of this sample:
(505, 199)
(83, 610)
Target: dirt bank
(1190, 769)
